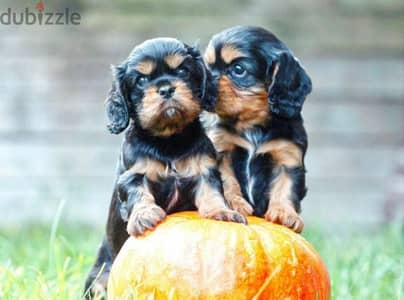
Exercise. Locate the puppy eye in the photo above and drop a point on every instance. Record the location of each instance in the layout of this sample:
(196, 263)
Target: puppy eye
(182, 72)
(141, 81)
(238, 70)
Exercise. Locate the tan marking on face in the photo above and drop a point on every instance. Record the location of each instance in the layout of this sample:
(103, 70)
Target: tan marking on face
(230, 53)
(283, 152)
(174, 60)
(152, 169)
(150, 107)
(195, 166)
(250, 106)
(210, 55)
(146, 67)
(151, 112)
(188, 103)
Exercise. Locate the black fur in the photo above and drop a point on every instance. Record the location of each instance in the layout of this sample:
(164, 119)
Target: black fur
(122, 111)
(118, 107)
(291, 84)
(269, 64)
(261, 166)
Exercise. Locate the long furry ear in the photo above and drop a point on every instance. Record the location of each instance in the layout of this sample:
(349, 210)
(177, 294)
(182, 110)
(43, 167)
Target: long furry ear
(289, 87)
(116, 106)
(208, 90)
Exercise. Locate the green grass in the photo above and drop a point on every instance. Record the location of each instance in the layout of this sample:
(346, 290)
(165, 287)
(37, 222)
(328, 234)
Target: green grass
(40, 262)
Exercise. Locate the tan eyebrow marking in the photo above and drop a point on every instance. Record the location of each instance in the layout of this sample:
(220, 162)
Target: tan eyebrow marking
(230, 53)
(174, 60)
(210, 55)
(146, 67)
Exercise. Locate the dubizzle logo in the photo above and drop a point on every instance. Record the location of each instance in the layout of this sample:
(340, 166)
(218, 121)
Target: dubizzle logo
(40, 17)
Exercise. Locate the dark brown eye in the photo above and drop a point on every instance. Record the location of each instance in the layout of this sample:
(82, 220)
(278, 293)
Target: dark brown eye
(141, 81)
(238, 70)
(182, 72)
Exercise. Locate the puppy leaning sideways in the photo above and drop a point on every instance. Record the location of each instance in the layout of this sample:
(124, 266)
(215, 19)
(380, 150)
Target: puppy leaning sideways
(259, 133)
(167, 163)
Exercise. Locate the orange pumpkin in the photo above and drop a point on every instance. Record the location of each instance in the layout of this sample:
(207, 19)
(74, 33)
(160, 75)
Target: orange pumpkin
(187, 257)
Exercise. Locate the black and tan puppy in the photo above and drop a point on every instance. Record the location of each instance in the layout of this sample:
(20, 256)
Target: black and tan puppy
(167, 163)
(259, 133)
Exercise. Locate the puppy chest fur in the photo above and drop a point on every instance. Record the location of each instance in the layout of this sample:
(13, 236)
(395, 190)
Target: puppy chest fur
(254, 156)
(174, 184)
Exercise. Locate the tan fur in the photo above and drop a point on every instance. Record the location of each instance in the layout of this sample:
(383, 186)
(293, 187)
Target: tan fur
(230, 53)
(194, 166)
(174, 60)
(249, 107)
(281, 209)
(211, 204)
(144, 216)
(145, 211)
(232, 191)
(281, 189)
(207, 199)
(210, 55)
(152, 169)
(225, 141)
(283, 152)
(151, 112)
(186, 99)
(145, 67)
(150, 107)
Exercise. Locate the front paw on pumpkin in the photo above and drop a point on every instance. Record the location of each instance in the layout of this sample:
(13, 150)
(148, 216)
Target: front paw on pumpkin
(144, 218)
(241, 205)
(225, 214)
(285, 215)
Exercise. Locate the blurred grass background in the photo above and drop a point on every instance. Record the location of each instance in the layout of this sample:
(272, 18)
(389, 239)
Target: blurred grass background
(54, 145)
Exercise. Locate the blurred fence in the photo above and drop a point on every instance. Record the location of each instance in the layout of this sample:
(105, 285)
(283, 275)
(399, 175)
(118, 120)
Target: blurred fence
(53, 81)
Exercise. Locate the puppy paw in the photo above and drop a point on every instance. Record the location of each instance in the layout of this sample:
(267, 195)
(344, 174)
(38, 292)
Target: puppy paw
(144, 218)
(225, 214)
(241, 205)
(285, 215)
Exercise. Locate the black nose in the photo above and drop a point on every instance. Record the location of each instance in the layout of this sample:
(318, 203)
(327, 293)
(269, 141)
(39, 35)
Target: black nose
(166, 91)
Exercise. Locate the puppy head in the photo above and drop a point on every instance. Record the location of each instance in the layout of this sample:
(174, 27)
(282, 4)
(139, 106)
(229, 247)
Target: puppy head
(162, 86)
(257, 74)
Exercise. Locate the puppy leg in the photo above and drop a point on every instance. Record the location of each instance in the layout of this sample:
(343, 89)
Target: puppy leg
(231, 187)
(283, 207)
(97, 280)
(287, 186)
(143, 212)
(210, 201)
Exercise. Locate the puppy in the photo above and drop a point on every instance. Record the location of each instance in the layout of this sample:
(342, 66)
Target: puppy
(167, 163)
(259, 133)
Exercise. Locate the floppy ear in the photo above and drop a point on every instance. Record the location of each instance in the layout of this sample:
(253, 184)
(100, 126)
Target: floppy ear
(208, 91)
(116, 105)
(289, 87)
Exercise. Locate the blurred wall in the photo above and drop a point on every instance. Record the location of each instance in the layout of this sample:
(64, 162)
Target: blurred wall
(53, 80)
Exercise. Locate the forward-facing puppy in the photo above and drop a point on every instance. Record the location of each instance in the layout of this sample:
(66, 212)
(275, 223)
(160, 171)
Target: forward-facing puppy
(167, 163)
(259, 133)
